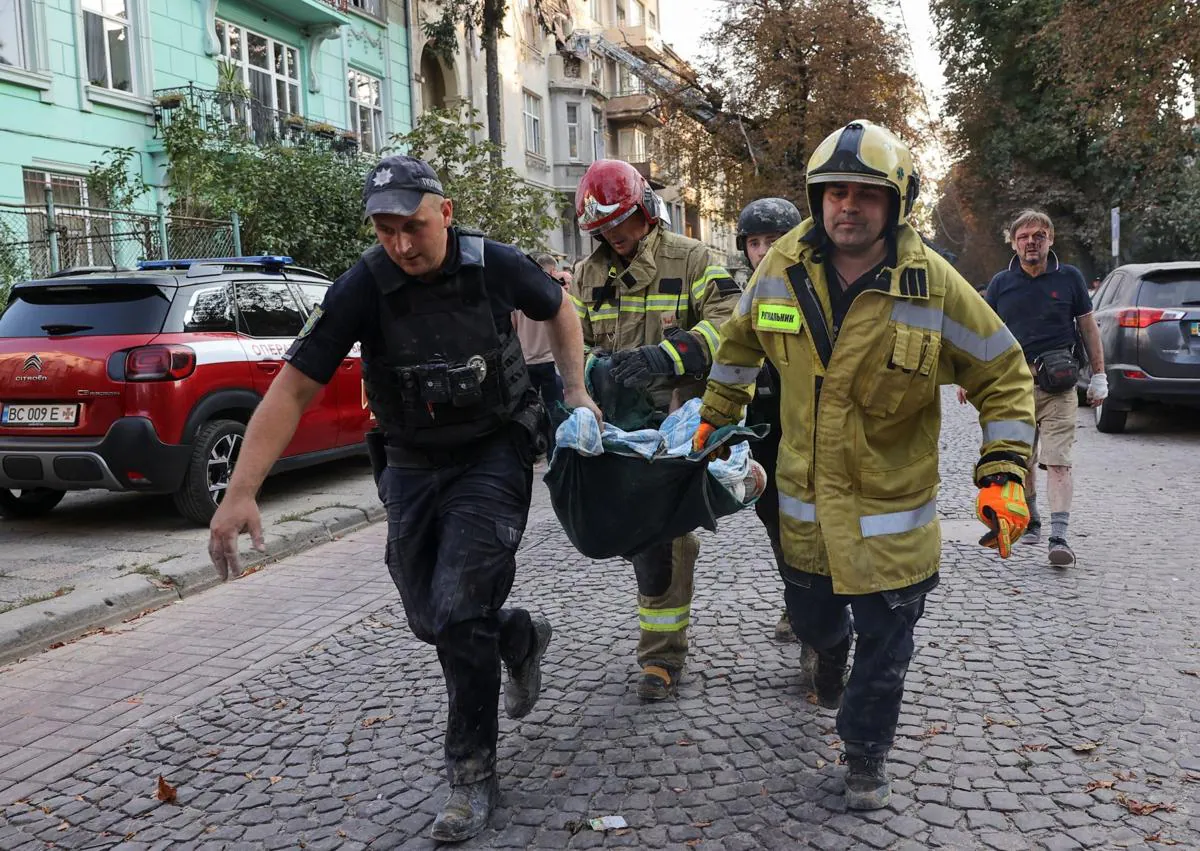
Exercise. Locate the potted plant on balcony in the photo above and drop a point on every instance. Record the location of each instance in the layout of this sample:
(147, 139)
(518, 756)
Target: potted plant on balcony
(347, 142)
(322, 129)
(293, 122)
(169, 100)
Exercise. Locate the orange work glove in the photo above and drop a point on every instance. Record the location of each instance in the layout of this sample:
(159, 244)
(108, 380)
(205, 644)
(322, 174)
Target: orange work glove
(1002, 508)
(700, 440)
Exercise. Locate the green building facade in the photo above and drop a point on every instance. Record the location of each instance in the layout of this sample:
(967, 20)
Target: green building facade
(79, 77)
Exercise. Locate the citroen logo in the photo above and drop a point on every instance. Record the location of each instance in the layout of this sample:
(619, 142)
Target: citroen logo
(33, 363)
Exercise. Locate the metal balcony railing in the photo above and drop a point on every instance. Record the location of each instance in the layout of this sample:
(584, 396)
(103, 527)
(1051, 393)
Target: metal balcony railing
(240, 113)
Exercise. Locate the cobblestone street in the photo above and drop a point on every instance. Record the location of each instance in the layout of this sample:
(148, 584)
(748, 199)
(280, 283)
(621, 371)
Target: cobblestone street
(293, 709)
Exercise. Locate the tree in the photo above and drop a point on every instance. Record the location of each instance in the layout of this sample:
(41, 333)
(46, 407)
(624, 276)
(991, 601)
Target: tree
(488, 17)
(487, 196)
(780, 76)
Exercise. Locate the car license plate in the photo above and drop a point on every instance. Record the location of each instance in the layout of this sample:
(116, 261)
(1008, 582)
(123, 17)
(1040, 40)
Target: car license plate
(40, 415)
(1196, 329)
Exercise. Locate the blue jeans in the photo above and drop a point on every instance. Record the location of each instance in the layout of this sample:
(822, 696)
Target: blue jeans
(453, 533)
(884, 623)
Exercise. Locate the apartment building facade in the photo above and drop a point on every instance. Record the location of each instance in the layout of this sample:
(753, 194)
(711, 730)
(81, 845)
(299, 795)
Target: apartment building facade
(573, 90)
(79, 77)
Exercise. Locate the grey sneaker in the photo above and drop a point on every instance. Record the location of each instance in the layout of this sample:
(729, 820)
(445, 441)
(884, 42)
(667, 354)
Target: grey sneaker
(1033, 534)
(525, 680)
(1061, 555)
(867, 784)
(783, 629)
(466, 811)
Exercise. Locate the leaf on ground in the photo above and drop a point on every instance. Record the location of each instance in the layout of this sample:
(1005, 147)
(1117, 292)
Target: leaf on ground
(280, 704)
(1144, 808)
(1191, 777)
(935, 730)
(1190, 673)
(692, 843)
(1039, 746)
(683, 742)
(64, 826)
(165, 791)
(988, 721)
(702, 824)
(1125, 775)
(821, 763)
(811, 697)
(367, 722)
(275, 779)
(557, 773)
(1099, 784)
(1159, 838)
(1085, 747)
(251, 775)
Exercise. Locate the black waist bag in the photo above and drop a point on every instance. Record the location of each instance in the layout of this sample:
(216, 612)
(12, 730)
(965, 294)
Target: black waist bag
(618, 505)
(1057, 371)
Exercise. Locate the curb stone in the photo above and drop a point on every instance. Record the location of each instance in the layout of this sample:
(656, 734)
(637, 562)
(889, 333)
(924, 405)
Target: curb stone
(31, 629)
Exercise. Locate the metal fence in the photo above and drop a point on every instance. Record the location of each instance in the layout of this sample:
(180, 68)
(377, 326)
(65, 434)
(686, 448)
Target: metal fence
(37, 240)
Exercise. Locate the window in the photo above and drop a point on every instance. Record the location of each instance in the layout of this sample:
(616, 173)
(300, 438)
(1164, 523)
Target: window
(209, 309)
(632, 145)
(371, 7)
(533, 30)
(573, 131)
(630, 83)
(620, 13)
(12, 33)
(109, 43)
(594, 10)
(106, 309)
(268, 70)
(268, 310)
(366, 110)
(533, 124)
(597, 134)
(312, 295)
(652, 20)
(637, 13)
(84, 234)
(1171, 289)
(598, 71)
(611, 77)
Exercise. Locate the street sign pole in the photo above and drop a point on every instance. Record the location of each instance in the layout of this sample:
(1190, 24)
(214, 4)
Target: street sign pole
(1116, 235)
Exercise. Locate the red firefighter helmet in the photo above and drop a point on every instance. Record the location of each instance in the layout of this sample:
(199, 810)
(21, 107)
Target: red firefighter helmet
(609, 193)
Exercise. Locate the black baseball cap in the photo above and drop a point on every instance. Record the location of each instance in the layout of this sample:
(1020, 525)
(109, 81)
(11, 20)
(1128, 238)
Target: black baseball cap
(397, 184)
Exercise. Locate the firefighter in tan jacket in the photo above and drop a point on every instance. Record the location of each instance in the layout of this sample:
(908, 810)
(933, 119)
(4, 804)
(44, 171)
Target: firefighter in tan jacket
(654, 300)
(864, 324)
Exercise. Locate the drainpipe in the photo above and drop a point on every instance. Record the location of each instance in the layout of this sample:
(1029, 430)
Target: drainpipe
(410, 38)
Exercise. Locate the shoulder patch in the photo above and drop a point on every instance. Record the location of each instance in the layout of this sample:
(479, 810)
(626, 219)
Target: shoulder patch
(311, 322)
(727, 286)
(670, 286)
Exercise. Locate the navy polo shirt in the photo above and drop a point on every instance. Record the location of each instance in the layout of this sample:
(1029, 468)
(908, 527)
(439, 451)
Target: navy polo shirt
(1041, 311)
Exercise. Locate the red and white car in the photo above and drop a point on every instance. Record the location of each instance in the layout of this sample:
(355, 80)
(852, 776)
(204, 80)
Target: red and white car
(144, 380)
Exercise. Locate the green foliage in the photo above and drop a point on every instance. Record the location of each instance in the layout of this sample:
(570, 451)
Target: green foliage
(302, 200)
(13, 266)
(489, 197)
(115, 181)
(442, 31)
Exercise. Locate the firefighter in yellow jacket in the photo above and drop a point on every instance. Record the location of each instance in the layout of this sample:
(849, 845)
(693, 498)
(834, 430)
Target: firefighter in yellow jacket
(653, 300)
(864, 323)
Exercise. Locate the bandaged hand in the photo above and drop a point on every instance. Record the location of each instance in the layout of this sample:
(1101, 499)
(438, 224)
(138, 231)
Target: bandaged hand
(1002, 508)
(1097, 390)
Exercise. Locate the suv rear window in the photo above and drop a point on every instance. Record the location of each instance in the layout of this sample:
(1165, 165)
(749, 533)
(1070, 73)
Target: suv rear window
(1175, 290)
(89, 310)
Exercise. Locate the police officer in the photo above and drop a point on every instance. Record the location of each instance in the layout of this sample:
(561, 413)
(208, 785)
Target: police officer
(458, 420)
(864, 323)
(759, 225)
(654, 299)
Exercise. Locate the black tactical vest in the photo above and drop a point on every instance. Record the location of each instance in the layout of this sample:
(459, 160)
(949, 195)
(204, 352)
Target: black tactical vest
(446, 376)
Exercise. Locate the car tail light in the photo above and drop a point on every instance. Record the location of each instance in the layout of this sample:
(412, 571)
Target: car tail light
(1135, 374)
(1144, 317)
(159, 363)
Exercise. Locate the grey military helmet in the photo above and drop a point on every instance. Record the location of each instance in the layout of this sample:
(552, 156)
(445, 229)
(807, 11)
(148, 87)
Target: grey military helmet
(766, 215)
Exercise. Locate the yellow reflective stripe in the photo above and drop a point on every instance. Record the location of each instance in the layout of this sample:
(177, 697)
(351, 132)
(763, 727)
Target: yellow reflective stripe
(607, 312)
(673, 355)
(709, 332)
(662, 302)
(664, 620)
(711, 273)
(580, 307)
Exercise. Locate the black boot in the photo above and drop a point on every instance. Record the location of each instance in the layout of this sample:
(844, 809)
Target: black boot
(525, 680)
(829, 680)
(658, 681)
(867, 784)
(466, 811)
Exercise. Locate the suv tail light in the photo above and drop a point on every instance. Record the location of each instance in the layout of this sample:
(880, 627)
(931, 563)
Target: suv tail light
(159, 363)
(1144, 317)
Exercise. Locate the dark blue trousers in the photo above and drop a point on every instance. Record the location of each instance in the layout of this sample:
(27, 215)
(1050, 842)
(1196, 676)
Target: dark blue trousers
(453, 533)
(884, 624)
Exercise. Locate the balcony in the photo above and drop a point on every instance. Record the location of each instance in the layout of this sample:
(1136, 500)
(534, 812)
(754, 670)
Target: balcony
(641, 40)
(632, 107)
(313, 12)
(242, 115)
(653, 172)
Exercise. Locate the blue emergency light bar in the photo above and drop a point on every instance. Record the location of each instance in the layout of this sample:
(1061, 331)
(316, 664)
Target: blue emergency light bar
(271, 262)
